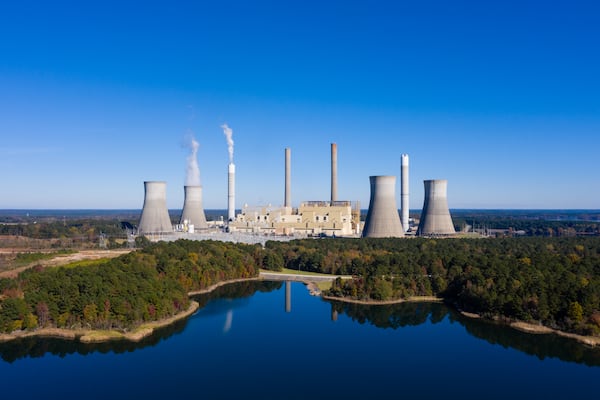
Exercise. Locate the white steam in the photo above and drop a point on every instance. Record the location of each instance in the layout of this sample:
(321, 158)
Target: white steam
(228, 135)
(192, 176)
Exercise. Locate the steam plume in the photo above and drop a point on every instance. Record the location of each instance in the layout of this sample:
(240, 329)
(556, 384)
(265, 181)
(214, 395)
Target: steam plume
(192, 176)
(228, 135)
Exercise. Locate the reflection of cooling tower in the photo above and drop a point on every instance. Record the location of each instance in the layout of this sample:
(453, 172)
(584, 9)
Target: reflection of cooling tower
(155, 216)
(435, 217)
(333, 172)
(383, 219)
(193, 211)
(287, 201)
(404, 192)
(231, 193)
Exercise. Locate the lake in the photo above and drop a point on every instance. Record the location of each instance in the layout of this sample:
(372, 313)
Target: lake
(246, 342)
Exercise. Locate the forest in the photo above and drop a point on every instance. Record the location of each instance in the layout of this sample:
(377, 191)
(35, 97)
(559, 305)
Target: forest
(146, 285)
(553, 281)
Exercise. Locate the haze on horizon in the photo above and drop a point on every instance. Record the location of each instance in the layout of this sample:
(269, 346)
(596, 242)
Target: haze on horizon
(502, 99)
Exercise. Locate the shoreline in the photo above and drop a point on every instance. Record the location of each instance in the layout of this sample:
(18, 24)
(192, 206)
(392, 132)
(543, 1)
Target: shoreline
(100, 336)
(412, 299)
(536, 329)
(147, 329)
(526, 327)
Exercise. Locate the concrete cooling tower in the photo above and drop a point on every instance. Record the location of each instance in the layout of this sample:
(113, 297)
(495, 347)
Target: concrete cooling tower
(435, 217)
(382, 218)
(155, 216)
(193, 211)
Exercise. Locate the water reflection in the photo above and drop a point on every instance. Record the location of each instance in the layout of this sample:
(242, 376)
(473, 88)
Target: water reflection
(412, 314)
(229, 297)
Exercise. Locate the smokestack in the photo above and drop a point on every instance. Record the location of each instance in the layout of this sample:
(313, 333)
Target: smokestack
(435, 217)
(404, 191)
(155, 216)
(231, 193)
(334, 195)
(193, 211)
(382, 218)
(287, 201)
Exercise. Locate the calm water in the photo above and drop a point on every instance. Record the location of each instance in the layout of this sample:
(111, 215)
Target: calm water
(243, 344)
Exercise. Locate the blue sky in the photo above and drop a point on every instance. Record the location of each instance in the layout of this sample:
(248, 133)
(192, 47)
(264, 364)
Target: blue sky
(500, 98)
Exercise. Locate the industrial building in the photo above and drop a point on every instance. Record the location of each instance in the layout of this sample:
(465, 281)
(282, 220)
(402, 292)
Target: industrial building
(312, 218)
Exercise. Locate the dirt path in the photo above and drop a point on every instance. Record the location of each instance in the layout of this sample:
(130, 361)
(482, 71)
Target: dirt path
(62, 259)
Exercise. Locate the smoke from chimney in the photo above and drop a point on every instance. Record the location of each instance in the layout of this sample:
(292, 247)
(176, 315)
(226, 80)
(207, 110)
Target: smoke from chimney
(228, 135)
(192, 176)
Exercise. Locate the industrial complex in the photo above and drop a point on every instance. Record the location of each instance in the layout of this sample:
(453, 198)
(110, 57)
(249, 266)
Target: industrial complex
(312, 218)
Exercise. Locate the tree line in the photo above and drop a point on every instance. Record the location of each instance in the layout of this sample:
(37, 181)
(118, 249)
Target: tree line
(554, 281)
(146, 285)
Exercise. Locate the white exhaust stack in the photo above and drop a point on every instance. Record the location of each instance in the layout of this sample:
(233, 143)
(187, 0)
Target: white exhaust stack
(231, 193)
(155, 216)
(404, 192)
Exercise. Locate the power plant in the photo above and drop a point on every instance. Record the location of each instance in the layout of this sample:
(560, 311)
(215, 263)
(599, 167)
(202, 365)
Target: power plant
(155, 216)
(311, 218)
(404, 207)
(435, 217)
(382, 218)
(192, 215)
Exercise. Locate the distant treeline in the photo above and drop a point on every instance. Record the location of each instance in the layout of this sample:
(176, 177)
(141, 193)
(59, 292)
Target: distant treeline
(120, 293)
(555, 281)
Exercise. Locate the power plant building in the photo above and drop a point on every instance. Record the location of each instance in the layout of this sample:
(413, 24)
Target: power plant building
(312, 218)
(435, 217)
(382, 218)
(155, 218)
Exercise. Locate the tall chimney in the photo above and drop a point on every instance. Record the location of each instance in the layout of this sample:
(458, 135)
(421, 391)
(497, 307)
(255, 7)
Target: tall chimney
(382, 218)
(193, 211)
(155, 216)
(435, 217)
(334, 194)
(287, 201)
(231, 193)
(404, 192)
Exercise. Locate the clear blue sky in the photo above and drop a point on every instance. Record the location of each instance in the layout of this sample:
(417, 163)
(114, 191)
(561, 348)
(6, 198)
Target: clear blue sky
(502, 98)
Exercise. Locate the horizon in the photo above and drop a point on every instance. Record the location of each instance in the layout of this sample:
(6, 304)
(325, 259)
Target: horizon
(499, 99)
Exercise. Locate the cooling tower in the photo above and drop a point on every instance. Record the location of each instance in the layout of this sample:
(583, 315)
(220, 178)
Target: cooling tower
(333, 173)
(404, 192)
(435, 217)
(382, 218)
(193, 211)
(231, 193)
(287, 201)
(155, 216)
